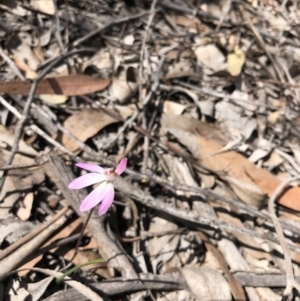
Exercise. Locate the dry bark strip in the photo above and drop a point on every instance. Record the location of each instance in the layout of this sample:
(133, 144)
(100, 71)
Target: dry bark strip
(189, 217)
(62, 175)
(29, 236)
(11, 262)
(166, 282)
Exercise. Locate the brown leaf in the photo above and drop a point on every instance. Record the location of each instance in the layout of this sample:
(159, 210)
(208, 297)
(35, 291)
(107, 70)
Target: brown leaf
(251, 184)
(70, 85)
(87, 123)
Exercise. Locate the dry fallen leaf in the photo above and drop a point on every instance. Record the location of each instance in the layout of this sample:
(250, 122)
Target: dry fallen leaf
(88, 122)
(20, 49)
(9, 138)
(173, 108)
(162, 248)
(37, 289)
(125, 86)
(9, 195)
(28, 177)
(206, 284)
(210, 57)
(25, 210)
(44, 6)
(102, 60)
(251, 184)
(63, 233)
(191, 24)
(236, 61)
(70, 85)
(53, 99)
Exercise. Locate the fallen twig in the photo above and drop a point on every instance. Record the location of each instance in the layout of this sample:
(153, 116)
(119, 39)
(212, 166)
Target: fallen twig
(290, 279)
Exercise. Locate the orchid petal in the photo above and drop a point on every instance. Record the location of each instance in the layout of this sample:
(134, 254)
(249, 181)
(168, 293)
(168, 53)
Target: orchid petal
(121, 166)
(86, 180)
(108, 199)
(90, 167)
(95, 197)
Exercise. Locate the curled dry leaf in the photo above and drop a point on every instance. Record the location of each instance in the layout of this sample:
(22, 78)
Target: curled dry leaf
(36, 290)
(20, 49)
(174, 108)
(102, 60)
(125, 86)
(25, 210)
(70, 85)
(92, 121)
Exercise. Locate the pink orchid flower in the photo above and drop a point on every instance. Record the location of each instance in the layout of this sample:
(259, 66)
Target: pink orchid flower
(105, 192)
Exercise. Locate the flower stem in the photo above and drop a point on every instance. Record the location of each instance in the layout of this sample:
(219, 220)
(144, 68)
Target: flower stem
(80, 237)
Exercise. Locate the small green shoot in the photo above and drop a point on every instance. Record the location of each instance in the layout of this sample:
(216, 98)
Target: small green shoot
(77, 267)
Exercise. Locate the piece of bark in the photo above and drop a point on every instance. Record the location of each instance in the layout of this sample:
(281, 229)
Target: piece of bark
(165, 282)
(15, 259)
(62, 175)
(115, 286)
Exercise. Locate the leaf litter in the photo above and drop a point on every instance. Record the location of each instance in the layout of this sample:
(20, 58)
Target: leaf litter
(203, 100)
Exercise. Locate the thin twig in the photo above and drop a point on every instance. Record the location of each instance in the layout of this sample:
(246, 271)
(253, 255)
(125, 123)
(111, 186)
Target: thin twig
(141, 101)
(13, 260)
(81, 235)
(24, 116)
(19, 130)
(205, 193)
(261, 42)
(190, 217)
(21, 166)
(291, 282)
(225, 11)
(38, 131)
(11, 64)
(81, 288)
(201, 14)
(107, 26)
